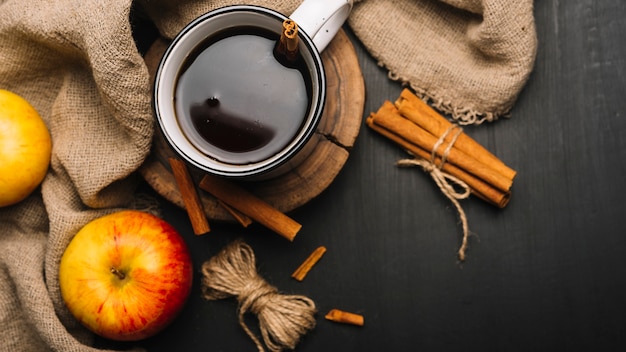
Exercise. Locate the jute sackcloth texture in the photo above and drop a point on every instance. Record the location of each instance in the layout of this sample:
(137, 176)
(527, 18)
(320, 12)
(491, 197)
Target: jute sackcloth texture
(77, 63)
(470, 58)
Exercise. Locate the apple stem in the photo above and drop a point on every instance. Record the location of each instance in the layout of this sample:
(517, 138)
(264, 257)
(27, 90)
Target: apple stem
(120, 275)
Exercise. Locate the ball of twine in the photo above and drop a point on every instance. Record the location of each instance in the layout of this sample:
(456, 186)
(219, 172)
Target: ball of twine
(283, 319)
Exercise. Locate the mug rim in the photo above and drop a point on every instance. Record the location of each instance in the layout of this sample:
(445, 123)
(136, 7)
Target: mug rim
(192, 154)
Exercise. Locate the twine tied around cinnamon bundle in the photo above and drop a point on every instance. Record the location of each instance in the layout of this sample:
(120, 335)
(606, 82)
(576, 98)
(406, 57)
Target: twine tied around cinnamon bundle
(444, 180)
(463, 164)
(283, 319)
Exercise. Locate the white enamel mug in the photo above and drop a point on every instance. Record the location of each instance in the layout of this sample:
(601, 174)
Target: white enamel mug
(318, 22)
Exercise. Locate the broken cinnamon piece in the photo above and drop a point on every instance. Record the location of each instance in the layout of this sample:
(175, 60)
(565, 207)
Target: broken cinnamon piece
(250, 205)
(308, 264)
(188, 192)
(340, 316)
(241, 218)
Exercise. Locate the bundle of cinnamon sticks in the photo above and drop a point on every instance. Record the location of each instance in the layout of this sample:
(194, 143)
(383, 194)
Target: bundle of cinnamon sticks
(418, 128)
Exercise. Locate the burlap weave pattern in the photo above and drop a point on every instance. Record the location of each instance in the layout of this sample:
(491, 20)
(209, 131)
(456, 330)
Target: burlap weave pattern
(470, 58)
(77, 63)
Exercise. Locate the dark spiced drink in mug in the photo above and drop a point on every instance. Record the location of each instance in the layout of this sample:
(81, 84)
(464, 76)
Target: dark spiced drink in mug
(230, 103)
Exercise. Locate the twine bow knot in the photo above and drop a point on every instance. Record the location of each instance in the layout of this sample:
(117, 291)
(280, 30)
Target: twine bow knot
(283, 319)
(445, 181)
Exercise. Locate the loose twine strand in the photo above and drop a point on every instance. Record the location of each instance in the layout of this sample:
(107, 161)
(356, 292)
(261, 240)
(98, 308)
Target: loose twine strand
(283, 319)
(446, 181)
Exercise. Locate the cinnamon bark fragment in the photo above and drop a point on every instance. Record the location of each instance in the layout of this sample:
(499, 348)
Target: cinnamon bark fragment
(250, 205)
(340, 316)
(308, 263)
(188, 192)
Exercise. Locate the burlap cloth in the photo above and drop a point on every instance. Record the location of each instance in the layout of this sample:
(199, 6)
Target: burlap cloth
(77, 63)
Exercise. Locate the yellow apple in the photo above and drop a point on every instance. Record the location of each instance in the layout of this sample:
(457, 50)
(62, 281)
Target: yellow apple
(126, 276)
(25, 147)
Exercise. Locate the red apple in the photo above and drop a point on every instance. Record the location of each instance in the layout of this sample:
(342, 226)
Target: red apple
(125, 276)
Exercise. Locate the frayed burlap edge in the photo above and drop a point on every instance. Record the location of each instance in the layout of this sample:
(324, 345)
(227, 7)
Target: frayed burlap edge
(500, 43)
(462, 115)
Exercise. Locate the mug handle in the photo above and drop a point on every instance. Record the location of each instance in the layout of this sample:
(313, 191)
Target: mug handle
(321, 19)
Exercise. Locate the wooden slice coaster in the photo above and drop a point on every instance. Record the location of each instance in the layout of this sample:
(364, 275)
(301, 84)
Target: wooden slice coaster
(340, 127)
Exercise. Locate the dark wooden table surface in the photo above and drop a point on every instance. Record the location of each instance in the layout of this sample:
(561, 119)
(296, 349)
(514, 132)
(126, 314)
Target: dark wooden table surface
(544, 274)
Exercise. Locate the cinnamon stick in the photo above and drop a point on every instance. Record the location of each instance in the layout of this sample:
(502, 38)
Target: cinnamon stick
(416, 110)
(340, 316)
(288, 42)
(479, 187)
(250, 205)
(308, 264)
(188, 192)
